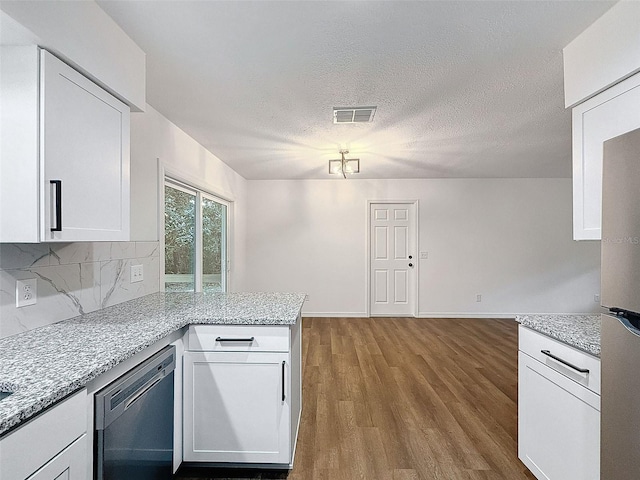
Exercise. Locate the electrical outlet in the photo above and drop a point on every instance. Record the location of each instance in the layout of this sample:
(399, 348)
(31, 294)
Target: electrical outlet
(478, 298)
(424, 255)
(596, 298)
(137, 273)
(26, 292)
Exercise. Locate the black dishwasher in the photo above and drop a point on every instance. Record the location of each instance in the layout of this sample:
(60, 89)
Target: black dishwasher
(134, 422)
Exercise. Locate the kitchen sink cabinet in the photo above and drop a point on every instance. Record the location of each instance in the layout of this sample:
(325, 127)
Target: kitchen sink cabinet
(558, 410)
(65, 153)
(609, 114)
(242, 397)
(51, 446)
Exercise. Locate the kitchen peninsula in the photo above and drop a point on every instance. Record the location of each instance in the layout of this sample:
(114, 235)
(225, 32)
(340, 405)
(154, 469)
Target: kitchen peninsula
(41, 367)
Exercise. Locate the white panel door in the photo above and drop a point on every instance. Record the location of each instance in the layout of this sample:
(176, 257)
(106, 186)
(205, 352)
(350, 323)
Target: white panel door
(392, 259)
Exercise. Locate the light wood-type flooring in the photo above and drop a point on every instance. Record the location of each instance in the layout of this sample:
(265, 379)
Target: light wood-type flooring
(404, 399)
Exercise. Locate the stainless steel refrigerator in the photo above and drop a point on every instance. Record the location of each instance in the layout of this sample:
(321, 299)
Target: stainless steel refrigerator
(620, 293)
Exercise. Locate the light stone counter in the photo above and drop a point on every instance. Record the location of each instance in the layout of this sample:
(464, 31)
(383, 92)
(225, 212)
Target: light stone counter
(579, 331)
(44, 365)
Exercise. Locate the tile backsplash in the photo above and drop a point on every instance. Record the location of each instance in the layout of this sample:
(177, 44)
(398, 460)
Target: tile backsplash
(72, 279)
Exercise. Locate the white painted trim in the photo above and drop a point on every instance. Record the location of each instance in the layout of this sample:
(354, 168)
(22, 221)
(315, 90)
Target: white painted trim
(196, 182)
(424, 315)
(198, 267)
(466, 315)
(161, 177)
(367, 261)
(335, 314)
(416, 220)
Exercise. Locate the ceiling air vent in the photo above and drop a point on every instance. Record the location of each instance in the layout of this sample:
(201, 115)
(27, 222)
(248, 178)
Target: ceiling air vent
(353, 114)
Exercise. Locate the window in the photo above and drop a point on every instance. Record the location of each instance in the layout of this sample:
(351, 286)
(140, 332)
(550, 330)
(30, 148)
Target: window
(195, 239)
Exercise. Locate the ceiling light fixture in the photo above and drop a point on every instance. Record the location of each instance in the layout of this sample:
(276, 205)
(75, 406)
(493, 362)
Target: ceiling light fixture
(344, 166)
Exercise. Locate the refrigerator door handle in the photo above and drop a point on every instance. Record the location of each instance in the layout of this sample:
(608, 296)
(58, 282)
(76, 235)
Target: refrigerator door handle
(564, 362)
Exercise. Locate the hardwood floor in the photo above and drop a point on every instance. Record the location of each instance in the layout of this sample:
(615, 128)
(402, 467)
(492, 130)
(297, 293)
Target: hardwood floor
(405, 399)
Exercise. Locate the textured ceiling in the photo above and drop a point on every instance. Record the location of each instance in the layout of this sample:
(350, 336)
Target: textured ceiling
(463, 89)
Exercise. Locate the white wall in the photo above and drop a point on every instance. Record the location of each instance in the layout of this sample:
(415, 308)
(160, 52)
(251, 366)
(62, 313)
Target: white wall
(507, 239)
(154, 137)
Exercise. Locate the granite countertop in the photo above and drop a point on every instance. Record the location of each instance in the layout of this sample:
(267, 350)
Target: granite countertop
(45, 365)
(579, 331)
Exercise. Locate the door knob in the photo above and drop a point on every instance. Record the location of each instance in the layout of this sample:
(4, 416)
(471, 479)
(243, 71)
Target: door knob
(411, 264)
(410, 257)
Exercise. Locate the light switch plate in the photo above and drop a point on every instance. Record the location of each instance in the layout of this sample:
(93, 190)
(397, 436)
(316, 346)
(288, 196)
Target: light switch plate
(137, 273)
(26, 292)
(424, 255)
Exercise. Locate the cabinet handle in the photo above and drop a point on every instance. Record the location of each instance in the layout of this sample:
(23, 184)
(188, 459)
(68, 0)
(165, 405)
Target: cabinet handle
(58, 205)
(283, 376)
(220, 339)
(564, 362)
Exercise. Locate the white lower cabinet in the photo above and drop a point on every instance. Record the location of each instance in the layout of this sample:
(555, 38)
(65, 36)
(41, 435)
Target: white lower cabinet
(242, 394)
(70, 464)
(239, 409)
(51, 446)
(558, 417)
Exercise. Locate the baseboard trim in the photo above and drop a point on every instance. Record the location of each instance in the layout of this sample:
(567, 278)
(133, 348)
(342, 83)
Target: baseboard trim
(335, 314)
(420, 315)
(465, 315)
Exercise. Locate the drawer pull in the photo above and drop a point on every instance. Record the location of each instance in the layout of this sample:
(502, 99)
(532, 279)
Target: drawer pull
(564, 362)
(220, 339)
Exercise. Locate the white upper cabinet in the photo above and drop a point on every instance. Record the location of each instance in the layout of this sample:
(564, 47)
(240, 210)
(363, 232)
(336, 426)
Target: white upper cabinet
(85, 146)
(609, 114)
(607, 52)
(65, 154)
(600, 70)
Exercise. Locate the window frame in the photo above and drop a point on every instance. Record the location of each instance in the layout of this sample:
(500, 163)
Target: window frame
(179, 182)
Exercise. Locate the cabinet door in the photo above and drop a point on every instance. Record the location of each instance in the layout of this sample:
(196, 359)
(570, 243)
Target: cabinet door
(84, 144)
(558, 424)
(609, 114)
(70, 464)
(236, 407)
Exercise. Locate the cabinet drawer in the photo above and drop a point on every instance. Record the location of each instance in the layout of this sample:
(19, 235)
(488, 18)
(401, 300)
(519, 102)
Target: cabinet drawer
(238, 338)
(29, 447)
(558, 424)
(533, 344)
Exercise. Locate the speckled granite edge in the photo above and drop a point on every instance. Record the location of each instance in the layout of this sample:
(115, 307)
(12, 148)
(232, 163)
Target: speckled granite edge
(578, 331)
(45, 365)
